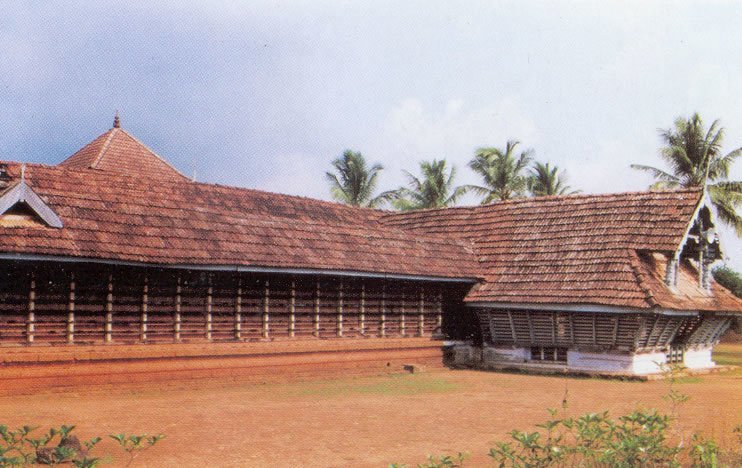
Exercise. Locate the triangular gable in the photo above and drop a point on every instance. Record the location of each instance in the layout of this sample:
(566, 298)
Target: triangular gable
(22, 193)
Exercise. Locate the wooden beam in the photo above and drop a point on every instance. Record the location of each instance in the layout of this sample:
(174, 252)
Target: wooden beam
(595, 329)
(109, 310)
(292, 309)
(512, 327)
(145, 307)
(362, 310)
(615, 331)
(530, 327)
(421, 313)
(439, 313)
(209, 309)
(31, 321)
(316, 309)
(573, 339)
(177, 316)
(71, 311)
(402, 316)
(341, 285)
(266, 310)
(554, 328)
(238, 311)
(382, 324)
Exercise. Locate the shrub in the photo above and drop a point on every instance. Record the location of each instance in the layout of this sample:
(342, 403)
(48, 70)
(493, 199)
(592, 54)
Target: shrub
(20, 447)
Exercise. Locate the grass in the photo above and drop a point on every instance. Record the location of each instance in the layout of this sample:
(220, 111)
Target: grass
(394, 385)
(728, 354)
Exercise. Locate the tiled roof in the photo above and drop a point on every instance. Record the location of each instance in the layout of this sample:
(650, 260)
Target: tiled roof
(118, 152)
(111, 216)
(119, 201)
(577, 249)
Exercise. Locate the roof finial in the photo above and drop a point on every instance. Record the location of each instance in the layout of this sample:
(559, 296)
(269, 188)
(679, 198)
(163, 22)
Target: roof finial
(23, 172)
(116, 120)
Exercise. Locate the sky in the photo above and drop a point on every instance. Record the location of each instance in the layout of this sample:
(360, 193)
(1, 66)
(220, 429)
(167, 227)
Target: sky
(264, 94)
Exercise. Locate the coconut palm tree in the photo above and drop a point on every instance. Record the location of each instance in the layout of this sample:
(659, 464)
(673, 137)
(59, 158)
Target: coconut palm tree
(434, 190)
(547, 180)
(695, 160)
(502, 172)
(353, 182)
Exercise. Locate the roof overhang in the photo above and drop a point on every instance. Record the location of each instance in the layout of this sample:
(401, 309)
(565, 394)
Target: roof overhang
(22, 193)
(597, 308)
(234, 268)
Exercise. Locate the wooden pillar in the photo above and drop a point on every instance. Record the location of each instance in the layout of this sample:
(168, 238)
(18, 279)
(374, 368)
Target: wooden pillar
(209, 309)
(530, 327)
(421, 313)
(176, 313)
(71, 311)
(109, 310)
(145, 309)
(266, 310)
(571, 317)
(402, 317)
(512, 327)
(238, 312)
(382, 325)
(30, 323)
(292, 309)
(340, 309)
(316, 310)
(362, 310)
(615, 330)
(595, 330)
(439, 313)
(554, 328)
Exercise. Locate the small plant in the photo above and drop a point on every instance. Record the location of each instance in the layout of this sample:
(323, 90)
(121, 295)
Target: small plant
(58, 446)
(134, 445)
(439, 461)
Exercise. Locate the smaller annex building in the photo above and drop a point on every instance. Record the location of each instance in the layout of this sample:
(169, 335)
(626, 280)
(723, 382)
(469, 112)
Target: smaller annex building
(115, 246)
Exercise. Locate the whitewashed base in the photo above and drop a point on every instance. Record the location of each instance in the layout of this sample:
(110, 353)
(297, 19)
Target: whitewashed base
(698, 359)
(635, 364)
(494, 357)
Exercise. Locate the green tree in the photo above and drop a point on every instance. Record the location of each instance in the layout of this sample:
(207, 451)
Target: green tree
(547, 180)
(434, 190)
(695, 159)
(502, 172)
(729, 278)
(353, 182)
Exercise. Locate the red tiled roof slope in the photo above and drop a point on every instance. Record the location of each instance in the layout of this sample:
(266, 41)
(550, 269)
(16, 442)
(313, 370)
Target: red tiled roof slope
(119, 152)
(564, 250)
(688, 295)
(116, 217)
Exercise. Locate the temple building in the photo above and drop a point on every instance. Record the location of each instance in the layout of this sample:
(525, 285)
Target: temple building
(114, 246)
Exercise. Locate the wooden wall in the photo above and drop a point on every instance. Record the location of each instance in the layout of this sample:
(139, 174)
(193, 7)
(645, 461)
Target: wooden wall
(599, 331)
(55, 303)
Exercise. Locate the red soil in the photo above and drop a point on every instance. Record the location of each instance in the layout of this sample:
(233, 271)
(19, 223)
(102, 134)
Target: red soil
(280, 419)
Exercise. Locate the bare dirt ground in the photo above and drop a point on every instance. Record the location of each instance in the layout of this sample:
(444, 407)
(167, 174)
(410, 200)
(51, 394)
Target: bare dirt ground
(355, 421)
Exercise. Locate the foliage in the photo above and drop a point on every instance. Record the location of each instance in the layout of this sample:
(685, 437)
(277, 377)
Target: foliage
(502, 172)
(434, 190)
(547, 180)
(640, 438)
(134, 445)
(729, 278)
(353, 182)
(439, 461)
(695, 160)
(58, 446)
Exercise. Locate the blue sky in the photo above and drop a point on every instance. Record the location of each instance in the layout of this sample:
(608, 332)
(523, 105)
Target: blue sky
(266, 94)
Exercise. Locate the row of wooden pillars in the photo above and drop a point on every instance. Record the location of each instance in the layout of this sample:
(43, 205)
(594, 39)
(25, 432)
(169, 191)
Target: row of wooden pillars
(417, 305)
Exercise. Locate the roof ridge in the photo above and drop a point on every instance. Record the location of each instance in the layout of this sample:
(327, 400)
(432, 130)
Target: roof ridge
(104, 148)
(639, 274)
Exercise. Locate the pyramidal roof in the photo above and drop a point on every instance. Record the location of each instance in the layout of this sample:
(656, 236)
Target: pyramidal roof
(118, 152)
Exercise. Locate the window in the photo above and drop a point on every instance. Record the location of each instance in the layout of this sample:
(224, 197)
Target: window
(548, 354)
